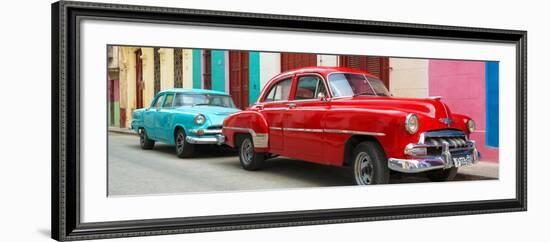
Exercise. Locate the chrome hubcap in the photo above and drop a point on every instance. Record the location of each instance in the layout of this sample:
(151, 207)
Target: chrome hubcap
(180, 142)
(364, 170)
(247, 151)
(142, 137)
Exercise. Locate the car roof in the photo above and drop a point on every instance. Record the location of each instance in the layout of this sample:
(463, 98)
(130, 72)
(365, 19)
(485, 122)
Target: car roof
(324, 70)
(193, 91)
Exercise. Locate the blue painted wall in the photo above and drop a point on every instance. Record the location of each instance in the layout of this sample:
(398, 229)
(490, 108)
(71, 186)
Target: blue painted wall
(197, 69)
(254, 76)
(492, 118)
(218, 70)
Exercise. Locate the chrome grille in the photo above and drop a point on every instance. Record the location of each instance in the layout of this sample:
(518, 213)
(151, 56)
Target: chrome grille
(435, 140)
(454, 142)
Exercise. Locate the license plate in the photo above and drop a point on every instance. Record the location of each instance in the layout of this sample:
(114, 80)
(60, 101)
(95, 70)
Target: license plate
(464, 160)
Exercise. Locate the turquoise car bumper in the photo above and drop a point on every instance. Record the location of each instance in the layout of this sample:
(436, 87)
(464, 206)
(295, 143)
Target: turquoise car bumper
(205, 136)
(215, 139)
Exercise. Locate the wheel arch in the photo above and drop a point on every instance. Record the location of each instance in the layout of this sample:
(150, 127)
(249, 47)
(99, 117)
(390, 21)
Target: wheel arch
(175, 130)
(353, 141)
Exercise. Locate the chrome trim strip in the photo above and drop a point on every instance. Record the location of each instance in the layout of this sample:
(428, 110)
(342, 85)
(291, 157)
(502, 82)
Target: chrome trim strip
(303, 130)
(260, 139)
(338, 131)
(251, 131)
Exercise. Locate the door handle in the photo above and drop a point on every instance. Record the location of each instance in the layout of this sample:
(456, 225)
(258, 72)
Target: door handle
(291, 105)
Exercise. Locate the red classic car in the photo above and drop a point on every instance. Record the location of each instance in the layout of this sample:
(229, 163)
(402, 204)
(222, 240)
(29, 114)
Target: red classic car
(346, 117)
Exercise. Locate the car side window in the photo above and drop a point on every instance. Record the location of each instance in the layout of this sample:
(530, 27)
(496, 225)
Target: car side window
(310, 87)
(279, 91)
(169, 100)
(158, 102)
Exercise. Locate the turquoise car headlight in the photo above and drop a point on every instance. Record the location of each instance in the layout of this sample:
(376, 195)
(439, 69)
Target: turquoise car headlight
(199, 119)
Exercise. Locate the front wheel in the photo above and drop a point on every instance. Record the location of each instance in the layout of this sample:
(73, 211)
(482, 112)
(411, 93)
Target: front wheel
(144, 140)
(249, 158)
(442, 175)
(370, 164)
(183, 148)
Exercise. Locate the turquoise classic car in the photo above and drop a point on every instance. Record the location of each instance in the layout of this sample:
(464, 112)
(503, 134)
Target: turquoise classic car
(184, 118)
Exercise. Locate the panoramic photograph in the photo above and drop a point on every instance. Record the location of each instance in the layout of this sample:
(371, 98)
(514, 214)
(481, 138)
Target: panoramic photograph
(184, 120)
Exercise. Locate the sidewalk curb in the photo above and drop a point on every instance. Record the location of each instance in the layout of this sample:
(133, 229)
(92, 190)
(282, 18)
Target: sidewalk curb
(122, 130)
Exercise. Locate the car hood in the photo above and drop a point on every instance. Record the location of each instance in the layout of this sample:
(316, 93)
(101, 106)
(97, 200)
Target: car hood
(214, 114)
(430, 107)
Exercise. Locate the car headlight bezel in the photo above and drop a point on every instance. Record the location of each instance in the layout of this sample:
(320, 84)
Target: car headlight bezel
(412, 123)
(200, 119)
(471, 125)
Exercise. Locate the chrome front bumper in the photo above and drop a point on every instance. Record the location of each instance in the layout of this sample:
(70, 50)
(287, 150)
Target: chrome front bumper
(216, 139)
(449, 157)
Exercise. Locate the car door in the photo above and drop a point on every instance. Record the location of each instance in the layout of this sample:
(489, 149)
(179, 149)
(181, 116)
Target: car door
(150, 117)
(304, 119)
(163, 125)
(273, 107)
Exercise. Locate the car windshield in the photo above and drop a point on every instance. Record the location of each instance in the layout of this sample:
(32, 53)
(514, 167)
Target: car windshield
(185, 99)
(352, 84)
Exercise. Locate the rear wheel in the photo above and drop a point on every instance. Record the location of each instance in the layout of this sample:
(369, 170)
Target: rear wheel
(370, 164)
(144, 140)
(183, 148)
(442, 175)
(249, 158)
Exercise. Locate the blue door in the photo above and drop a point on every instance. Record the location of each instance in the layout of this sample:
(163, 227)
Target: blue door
(163, 126)
(150, 117)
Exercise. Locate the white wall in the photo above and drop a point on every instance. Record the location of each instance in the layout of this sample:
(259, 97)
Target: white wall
(25, 184)
(409, 77)
(270, 66)
(327, 60)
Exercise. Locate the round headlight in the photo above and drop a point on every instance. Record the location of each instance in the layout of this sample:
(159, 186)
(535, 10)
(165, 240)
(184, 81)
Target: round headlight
(199, 119)
(471, 126)
(411, 123)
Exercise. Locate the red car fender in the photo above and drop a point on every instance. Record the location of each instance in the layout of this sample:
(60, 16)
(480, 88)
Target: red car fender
(247, 122)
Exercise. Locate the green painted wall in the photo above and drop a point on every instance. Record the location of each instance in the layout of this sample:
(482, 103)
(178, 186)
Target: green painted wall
(254, 76)
(116, 106)
(218, 70)
(197, 68)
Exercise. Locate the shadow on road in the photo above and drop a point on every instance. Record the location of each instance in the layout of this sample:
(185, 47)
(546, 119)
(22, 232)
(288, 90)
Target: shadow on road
(324, 175)
(201, 151)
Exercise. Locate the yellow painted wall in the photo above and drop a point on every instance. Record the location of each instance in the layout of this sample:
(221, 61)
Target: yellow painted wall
(187, 65)
(148, 58)
(127, 81)
(166, 68)
(127, 84)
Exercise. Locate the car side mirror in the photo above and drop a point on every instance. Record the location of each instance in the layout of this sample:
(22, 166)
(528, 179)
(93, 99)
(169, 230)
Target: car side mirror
(322, 96)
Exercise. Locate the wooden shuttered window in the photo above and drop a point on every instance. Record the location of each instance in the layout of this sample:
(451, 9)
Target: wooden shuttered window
(296, 60)
(378, 66)
(239, 78)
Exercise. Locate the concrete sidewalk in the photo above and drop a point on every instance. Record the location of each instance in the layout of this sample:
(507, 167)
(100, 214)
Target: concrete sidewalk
(122, 130)
(482, 168)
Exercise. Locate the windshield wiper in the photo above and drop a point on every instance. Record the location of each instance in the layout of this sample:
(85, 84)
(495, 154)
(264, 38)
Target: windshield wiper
(363, 93)
(208, 104)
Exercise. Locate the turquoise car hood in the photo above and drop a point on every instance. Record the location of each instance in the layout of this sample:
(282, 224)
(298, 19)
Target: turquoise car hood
(214, 114)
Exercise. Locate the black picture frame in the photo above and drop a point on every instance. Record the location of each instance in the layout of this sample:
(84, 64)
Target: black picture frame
(65, 220)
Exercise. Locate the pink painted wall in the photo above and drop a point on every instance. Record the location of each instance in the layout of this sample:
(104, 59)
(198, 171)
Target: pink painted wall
(461, 85)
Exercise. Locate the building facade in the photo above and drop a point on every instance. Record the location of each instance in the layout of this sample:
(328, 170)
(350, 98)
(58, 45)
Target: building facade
(136, 74)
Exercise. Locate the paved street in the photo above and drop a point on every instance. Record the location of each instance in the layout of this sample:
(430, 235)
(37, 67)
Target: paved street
(133, 171)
